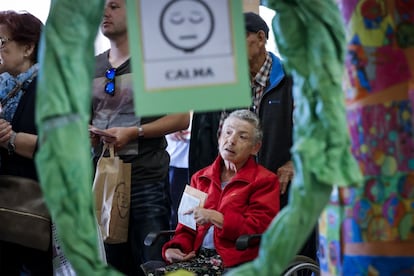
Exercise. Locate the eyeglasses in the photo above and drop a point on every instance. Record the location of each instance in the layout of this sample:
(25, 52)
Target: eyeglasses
(3, 41)
(110, 84)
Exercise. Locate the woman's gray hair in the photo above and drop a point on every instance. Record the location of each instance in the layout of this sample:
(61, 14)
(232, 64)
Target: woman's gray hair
(252, 118)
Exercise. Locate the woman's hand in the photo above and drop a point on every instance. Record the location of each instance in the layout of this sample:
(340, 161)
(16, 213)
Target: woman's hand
(174, 255)
(5, 132)
(230, 166)
(204, 216)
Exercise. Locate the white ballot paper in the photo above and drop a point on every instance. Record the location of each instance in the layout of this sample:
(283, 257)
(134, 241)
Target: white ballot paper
(191, 198)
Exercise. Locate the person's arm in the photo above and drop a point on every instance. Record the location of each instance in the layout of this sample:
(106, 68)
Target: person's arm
(183, 239)
(25, 143)
(165, 125)
(173, 255)
(160, 127)
(203, 216)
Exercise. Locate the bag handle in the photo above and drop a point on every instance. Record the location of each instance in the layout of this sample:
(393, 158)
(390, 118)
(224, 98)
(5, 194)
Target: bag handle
(109, 147)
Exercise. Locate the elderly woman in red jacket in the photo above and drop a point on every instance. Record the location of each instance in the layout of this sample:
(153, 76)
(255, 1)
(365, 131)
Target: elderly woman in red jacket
(242, 198)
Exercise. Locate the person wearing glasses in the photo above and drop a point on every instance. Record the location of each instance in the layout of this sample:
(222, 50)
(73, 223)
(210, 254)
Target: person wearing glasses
(19, 40)
(139, 141)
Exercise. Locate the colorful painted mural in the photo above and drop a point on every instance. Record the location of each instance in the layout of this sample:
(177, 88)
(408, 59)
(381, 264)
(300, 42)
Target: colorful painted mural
(370, 230)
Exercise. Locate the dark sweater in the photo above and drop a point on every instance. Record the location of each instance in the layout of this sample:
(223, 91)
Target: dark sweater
(23, 121)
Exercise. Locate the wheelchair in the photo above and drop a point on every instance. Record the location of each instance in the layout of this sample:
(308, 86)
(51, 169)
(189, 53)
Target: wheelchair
(299, 266)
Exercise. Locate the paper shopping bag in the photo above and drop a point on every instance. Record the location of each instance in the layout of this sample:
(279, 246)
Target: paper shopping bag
(112, 189)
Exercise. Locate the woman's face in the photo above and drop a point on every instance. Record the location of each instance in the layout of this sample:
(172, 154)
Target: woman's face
(14, 57)
(236, 142)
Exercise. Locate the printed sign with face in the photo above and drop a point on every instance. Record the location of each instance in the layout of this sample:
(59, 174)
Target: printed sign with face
(193, 49)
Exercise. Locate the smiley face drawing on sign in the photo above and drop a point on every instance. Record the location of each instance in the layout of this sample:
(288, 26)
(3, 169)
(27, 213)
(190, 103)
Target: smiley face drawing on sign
(187, 24)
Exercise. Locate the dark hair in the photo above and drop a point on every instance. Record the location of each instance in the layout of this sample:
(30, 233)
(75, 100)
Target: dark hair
(254, 23)
(24, 27)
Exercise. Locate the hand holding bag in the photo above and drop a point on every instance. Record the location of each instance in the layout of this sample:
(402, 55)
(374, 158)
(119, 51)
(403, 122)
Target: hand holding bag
(112, 189)
(24, 217)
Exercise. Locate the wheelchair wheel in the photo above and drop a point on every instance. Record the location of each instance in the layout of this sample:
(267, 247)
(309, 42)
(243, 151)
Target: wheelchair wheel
(302, 266)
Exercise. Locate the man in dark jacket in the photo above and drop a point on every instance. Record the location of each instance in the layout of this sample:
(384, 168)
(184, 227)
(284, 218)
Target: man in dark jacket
(272, 100)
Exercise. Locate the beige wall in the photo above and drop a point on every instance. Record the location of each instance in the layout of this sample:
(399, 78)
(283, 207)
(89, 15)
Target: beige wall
(251, 5)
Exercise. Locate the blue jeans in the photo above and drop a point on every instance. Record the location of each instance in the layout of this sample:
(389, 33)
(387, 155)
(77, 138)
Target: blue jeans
(150, 211)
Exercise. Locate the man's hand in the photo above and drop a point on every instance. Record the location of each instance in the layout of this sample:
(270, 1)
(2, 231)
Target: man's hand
(94, 138)
(174, 255)
(285, 174)
(122, 136)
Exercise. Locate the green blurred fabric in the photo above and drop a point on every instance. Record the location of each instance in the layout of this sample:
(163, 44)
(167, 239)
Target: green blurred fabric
(311, 39)
(63, 107)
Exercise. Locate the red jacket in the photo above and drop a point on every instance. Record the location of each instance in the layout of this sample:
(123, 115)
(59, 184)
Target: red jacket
(248, 203)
